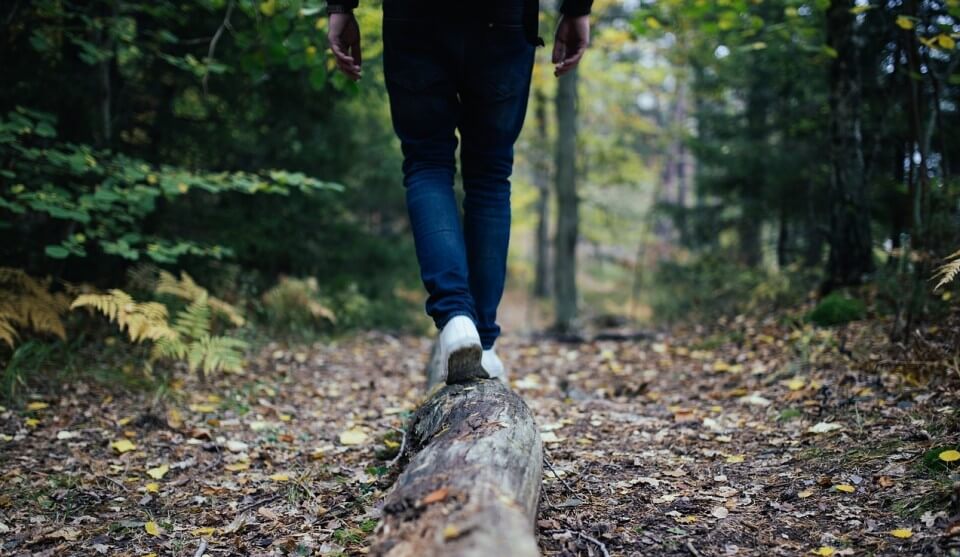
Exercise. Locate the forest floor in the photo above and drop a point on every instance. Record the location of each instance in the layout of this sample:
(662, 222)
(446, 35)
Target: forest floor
(759, 439)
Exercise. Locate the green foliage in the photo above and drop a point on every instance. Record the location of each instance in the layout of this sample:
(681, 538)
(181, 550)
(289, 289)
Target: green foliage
(188, 338)
(73, 197)
(837, 309)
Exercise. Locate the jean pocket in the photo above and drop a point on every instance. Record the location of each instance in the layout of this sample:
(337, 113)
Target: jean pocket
(411, 61)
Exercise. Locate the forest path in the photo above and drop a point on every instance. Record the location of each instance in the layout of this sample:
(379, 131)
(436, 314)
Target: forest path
(763, 440)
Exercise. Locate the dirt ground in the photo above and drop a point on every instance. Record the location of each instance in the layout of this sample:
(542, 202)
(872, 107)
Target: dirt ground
(757, 439)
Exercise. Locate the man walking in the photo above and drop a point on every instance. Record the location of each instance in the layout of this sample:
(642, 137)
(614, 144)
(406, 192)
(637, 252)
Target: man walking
(454, 65)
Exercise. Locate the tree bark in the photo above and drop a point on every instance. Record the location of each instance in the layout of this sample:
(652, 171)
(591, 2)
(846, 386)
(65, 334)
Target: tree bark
(472, 484)
(541, 179)
(850, 240)
(568, 219)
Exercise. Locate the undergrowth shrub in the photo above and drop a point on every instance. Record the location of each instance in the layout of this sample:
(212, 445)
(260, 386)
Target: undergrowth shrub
(26, 303)
(294, 305)
(837, 309)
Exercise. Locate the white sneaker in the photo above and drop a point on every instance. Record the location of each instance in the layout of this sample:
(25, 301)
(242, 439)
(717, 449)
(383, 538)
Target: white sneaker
(460, 351)
(493, 365)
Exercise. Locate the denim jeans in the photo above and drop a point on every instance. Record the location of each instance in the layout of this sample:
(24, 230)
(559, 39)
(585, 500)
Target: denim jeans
(446, 73)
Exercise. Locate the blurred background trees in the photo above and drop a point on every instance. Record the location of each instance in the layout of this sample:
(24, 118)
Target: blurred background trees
(707, 158)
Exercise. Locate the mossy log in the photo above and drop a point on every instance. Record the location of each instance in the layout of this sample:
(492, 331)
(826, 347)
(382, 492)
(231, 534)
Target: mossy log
(472, 482)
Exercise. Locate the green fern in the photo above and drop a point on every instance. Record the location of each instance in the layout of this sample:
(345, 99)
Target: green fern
(949, 271)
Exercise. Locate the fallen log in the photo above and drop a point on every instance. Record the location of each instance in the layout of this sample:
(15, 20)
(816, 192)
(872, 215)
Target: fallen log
(472, 482)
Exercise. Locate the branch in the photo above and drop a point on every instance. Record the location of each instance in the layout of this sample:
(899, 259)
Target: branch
(213, 43)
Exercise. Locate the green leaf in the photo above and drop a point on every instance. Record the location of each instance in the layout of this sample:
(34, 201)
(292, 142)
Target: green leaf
(57, 252)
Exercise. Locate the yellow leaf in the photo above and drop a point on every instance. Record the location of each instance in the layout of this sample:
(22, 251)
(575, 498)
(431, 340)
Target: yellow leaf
(268, 8)
(203, 408)
(805, 493)
(796, 384)
(37, 406)
(856, 10)
(159, 472)
(280, 477)
(720, 365)
(150, 555)
(846, 488)
(391, 444)
(123, 446)
(825, 551)
(152, 528)
(355, 436)
(237, 467)
(735, 459)
(32, 422)
(153, 487)
(902, 533)
(205, 531)
(450, 531)
(946, 42)
(653, 23)
(124, 421)
(904, 22)
(950, 456)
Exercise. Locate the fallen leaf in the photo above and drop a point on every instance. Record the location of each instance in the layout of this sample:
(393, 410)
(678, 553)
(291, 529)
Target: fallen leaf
(735, 459)
(435, 496)
(37, 406)
(720, 512)
(846, 488)
(159, 472)
(824, 427)
(355, 436)
(65, 435)
(236, 446)
(280, 477)
(950, 456)
(203, 408)
(205, 531)
(152, 528)
(902, 533)
(805, 493)
(123, 446)
(31, 422)
(237, 467)
(825, 551)
(796, 384)
(450, 531)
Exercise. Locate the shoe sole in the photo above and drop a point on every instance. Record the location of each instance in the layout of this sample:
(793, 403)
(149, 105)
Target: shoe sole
(464, 365)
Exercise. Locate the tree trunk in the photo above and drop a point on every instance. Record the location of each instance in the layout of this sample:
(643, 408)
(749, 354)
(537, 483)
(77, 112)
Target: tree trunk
(850, 238)
(472, 484)
(565, 254)
(541, 180)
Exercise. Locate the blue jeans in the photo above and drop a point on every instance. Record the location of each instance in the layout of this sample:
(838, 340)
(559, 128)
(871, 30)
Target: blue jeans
(446, 73)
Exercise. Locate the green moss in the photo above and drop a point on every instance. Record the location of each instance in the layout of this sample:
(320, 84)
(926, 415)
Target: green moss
(837, 309)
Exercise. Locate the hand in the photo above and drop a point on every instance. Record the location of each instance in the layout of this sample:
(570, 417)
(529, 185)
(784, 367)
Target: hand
(343, 32)
(573, 36)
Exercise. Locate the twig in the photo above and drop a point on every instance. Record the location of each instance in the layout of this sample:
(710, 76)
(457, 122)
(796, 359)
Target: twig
(555, 475)
(213, 44)
(403, 445)
(591, 539)
(693, 551)
(115, 482)
(259, 503)
(202, 548)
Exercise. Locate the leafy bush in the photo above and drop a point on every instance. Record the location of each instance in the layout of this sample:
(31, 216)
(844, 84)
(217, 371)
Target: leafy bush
(188, 338)
(837, 309)
(65, 199)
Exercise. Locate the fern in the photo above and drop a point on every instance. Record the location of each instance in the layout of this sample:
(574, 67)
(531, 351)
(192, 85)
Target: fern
(949, 271)
(186, 289)
(28, 303)
(188, 339)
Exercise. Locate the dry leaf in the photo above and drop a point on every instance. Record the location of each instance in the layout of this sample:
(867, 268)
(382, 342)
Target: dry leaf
(950, 456)
(720, 512)
(435, 496)
(902, 533)
(153, 487)
(825, 551)
(846, 488)
(123, 446)
(280, 477)
(37, 406)
(152, 528)
(159, 472)
(824, 427)
(205, 531)
(355, 436)
(237, 467)
(735, 459)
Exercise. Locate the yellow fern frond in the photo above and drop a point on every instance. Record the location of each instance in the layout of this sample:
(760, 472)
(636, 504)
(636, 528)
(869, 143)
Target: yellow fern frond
(27, 302)
(949, 271)
(187, 289)
(141, 321)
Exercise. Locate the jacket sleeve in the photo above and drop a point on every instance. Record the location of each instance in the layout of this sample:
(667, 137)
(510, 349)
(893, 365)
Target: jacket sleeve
(342, 5)
(575, 7)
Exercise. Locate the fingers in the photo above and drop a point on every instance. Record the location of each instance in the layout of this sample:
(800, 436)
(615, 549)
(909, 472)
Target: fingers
(570, 62)
(559, 49)
(349, 65)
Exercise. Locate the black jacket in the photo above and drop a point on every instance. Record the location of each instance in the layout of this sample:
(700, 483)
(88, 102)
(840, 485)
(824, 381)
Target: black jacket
(531, 9)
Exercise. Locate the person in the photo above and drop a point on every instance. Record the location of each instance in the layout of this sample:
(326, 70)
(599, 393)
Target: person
(452, 65)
